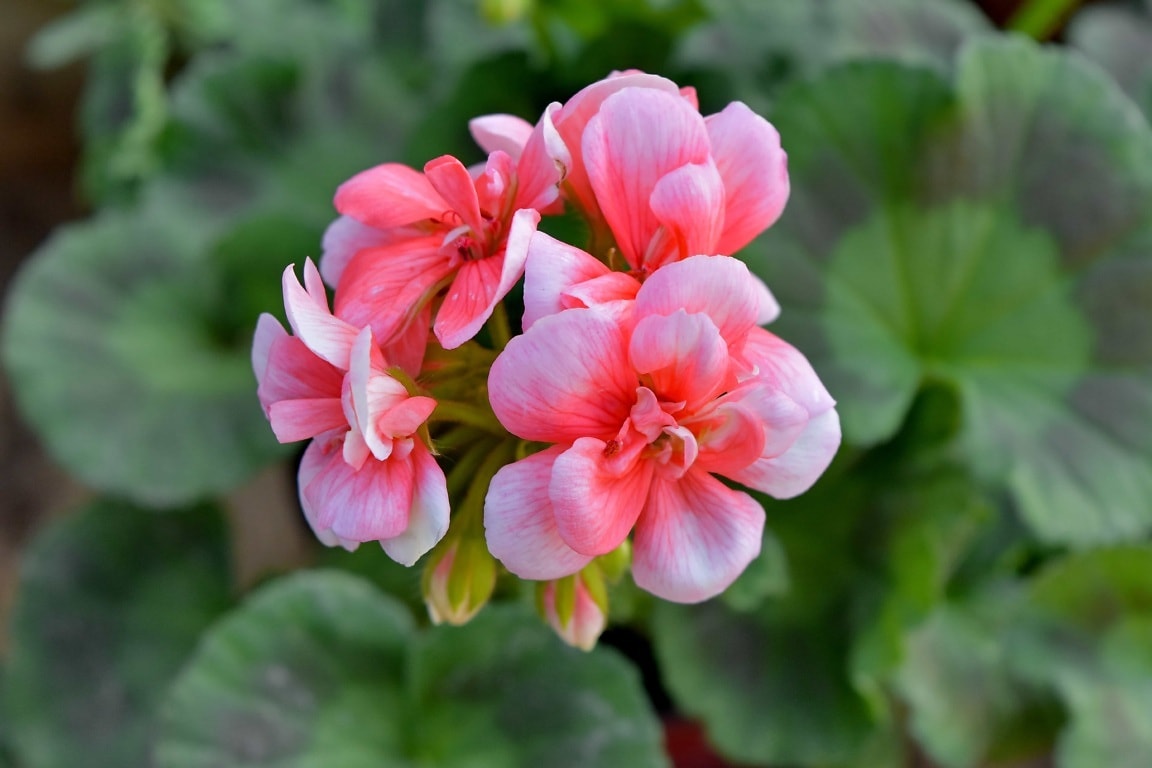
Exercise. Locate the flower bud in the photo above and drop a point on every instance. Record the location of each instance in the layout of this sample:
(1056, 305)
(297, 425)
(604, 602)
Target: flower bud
(458, 580)
(575, 606)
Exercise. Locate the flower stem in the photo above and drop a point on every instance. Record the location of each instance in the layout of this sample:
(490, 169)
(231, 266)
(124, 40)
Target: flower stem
(467, 413)
(499, 328)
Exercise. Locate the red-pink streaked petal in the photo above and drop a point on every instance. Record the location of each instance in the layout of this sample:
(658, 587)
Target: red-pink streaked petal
(404, 418)
(718, 286)
(344, 238)
(781, 366)
(597, 499)
(730, 437)
(451, 180)
(683, 355)
(408, 345)
(317, 456)
(387, 287)
(542, 167)
(519, 523)
(694, 538)
(389, 195)
(374, 393)
(294, 372)
(506, 133)
(369, 504)
(428, 515)
(769, 307)
(689, 204)
(481, 284)
(567, 377)
(328, 336)
(494, 185)
(638, 136)
(572, 119)
(268, 332)
(794, 471)
(294, 420)
(747, 152)
(688, 93)
(551, 269)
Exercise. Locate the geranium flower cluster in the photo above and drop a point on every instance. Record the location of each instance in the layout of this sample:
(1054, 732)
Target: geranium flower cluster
(609, 432)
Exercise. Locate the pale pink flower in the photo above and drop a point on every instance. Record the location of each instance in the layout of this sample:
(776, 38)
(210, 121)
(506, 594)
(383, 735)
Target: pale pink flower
(644, 406)
(406, 239)
(366, 476)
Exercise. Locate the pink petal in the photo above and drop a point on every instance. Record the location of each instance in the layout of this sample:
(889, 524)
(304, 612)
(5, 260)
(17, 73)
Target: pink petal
(369, 504)
(542, 166)
(596, 495)
(268, 331)
(451, 180)
(328, 336)
(747, 152)
(520, 525)
(389, 195)
(694, 538)
(506, 133)
(344, 238)
(718, 286)
(572, 119)
(428, 516)
(689, 204)
(551, 268)
(781, 366)
(769, 307)
(638, 136)
(374, 393)
(494, 185)
(293, 372)
(729, 435)
(567, 377)
(389, 286)
(408, 345)
(317, 456)
(294, 420)
(794, 471)
(483, 283)
(683, 355)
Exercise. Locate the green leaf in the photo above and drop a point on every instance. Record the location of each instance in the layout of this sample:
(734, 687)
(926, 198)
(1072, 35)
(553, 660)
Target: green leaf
(759, 46)
(966, 706)
(78, 34)
(769, 688)
(766, 576)
(1118, 38)
(111, 602)
(1040, 18)
(996, 240)
(110, 344)
(320, 669)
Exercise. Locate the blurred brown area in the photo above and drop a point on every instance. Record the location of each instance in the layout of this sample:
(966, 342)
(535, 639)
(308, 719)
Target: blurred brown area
(38, 152)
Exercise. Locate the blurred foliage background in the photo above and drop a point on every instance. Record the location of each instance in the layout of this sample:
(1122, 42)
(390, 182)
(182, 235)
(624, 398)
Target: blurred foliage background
(966, 259)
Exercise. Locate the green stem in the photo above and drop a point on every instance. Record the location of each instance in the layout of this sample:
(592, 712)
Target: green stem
(467, 413)
(499, 328)
(466, 467)
(471, 511)
(1040, 18)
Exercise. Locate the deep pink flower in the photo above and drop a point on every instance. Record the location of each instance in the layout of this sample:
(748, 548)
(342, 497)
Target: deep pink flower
(406, 239)
(366, 476)
(644, 405)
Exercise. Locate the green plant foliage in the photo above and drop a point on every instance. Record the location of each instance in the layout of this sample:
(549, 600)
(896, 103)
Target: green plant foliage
(111, 344)
(1118, 37)
(756, 46)
(111, 601)
(321, 669)
(998, 242)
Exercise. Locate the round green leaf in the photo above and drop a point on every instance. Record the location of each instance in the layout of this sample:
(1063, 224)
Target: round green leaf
(305, 673)
(550, 704)
(770, 690)
(111, 346)
(321, 669)
(111, 602)
(998, 240)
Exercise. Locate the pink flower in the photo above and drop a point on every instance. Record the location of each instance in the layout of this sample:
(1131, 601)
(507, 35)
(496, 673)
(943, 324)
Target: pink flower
(405, 238)
(366, 476)
(666, 181)
(644, 406)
